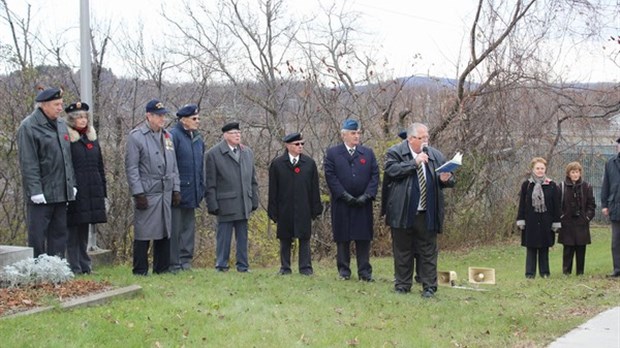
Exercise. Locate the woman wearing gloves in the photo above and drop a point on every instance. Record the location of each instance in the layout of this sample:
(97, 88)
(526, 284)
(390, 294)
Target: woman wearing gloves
(538, 217)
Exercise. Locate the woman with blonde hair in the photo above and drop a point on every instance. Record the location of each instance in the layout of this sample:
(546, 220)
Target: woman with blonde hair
(578, 209)
(538, 217)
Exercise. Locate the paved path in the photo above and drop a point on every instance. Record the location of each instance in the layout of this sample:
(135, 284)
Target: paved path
(601, 331)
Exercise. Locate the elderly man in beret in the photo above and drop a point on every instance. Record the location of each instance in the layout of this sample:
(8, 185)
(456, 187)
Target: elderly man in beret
(189, 148)
(231, 194)
(153, 178)
(610, 201)
(47, 173)
(294, 200)
(352, 176)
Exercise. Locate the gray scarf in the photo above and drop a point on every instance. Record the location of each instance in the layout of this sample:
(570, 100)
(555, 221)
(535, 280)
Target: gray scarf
(538, 196)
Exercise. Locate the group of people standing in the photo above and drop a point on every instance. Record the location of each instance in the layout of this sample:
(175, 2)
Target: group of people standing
(169, 172)
(546, 208)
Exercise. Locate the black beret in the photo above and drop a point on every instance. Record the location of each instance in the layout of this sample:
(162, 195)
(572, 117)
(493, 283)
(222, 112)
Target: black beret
(156, 107)
(289, 138)
(402, 134)
(49, 95)
(79, 106)
(188, 110)
(230, 126)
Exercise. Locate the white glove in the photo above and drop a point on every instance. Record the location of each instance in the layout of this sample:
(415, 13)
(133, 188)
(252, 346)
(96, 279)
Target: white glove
(75, 192)
(38, 199)
(521, 227)
(106, 202)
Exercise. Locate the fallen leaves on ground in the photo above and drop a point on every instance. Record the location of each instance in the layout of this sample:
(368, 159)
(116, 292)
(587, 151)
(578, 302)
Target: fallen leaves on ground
(13, 300)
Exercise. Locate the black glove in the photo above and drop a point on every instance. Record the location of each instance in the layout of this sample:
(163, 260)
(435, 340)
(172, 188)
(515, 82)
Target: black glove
(362, 200)
(176, 198)
(214, 212)
(141, 202)
(348, 199)
(254, 207)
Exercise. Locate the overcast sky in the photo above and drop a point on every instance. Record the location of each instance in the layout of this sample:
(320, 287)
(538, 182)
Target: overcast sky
(436, 30)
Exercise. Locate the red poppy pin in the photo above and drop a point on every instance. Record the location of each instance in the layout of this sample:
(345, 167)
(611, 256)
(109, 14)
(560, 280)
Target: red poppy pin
(297, 170)
(363, 161)
(66, 137)
(166, 135)
(89, 146)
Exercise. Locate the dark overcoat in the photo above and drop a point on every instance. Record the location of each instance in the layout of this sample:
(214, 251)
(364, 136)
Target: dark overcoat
(231, 186)
(356, 174)
(89, 204)
(294, 197)
(401, 174)
(189, 148)
(45, 158)
(610, 191)
(538, 232)
(578, 209)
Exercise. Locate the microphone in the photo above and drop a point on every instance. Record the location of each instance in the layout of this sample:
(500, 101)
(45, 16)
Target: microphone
(425, 148)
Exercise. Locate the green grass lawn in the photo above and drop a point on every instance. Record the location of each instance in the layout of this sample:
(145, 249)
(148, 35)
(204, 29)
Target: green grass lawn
(261, 309)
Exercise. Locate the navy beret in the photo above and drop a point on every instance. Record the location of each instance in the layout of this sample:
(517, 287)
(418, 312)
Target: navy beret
(188, 110)
(49, 95)
(350, 125)
(156, 107)
(79, 106)
(402, 134)
(289, 138)
(230, 126)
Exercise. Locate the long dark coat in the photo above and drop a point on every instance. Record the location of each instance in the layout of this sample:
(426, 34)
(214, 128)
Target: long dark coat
(294, 198)
(89, 204)
(357, 174)
(537, 232)
(578, 209)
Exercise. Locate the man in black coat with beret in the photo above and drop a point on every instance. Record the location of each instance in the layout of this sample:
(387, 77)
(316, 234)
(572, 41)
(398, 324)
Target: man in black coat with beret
(47, 174)
(294, 200)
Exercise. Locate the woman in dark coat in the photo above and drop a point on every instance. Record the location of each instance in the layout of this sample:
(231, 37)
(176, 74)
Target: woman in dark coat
(578, 209)
(538, 217)
(89, 205)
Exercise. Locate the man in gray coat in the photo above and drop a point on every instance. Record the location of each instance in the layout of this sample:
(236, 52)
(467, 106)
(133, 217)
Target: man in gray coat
(610, 201)
(231, 194)
(47, 174)
(153, 177)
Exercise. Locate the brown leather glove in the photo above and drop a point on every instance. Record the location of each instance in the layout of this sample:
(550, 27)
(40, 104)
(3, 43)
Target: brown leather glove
(176, 198)
(141, 201)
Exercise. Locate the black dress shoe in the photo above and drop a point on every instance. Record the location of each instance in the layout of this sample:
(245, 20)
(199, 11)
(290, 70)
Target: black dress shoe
(284, 272)
(344, 277)
(368, 279)
(400, 290)
(614, 275)
(428, 293)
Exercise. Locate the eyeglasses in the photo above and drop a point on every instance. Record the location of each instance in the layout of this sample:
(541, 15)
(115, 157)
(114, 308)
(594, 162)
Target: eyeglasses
(196, 118)
(301, 143)
(420, 138)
